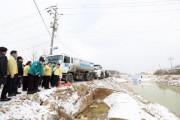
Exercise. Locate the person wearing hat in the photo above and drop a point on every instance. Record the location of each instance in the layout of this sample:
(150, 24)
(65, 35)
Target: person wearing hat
(3, 74)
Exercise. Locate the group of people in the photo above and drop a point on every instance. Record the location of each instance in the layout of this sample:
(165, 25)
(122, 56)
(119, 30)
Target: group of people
(13, 74)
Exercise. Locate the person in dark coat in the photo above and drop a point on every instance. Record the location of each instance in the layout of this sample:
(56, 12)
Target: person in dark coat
(3, 73)
(20, 73)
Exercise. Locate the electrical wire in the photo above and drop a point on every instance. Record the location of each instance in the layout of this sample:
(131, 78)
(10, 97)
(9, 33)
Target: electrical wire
(127, 12)
(10, 25)
(19, 29)
(35, 46)
(16, 21)
(42, 18)
(27, 39)
(111, 32)
(117, 6)
(125, 3)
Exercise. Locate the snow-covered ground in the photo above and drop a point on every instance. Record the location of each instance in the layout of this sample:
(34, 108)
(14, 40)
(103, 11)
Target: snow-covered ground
(171, 80)
(67, 102)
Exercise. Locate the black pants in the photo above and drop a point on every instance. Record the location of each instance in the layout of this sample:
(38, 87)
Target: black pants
(14, 85)
(7, 87)
(46, 81)
(30, 83)
(36, 82)
(52, 78)
(40, 80)
(43, 81)
(25, 83)
(17, 84)
(3, 80)
(19, 81)
(55, 81)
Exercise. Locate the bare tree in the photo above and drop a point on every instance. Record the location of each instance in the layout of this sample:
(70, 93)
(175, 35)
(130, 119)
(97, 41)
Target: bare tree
(45, 52)
(34, 55)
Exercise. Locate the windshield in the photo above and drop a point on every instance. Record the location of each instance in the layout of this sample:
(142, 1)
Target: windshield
(66, 59)
(57, 59)
(96, 67)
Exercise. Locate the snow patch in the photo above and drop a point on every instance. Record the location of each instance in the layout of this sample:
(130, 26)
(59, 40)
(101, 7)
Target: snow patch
(123, 106)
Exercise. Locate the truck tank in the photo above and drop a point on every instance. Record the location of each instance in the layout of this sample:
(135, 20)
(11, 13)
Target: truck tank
(81, 65)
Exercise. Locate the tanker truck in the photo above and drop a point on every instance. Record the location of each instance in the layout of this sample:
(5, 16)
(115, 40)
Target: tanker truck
(73, 68)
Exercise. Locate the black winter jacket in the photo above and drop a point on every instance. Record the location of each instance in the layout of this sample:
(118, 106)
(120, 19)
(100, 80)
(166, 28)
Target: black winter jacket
(3, 65)
(20, 68)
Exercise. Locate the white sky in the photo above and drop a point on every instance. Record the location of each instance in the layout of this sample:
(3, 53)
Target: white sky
(127, 35)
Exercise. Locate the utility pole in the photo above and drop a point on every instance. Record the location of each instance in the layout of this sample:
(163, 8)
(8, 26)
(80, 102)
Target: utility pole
(170, 59)
(52, 10)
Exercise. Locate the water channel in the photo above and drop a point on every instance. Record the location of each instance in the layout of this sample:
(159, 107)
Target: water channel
(165, 95)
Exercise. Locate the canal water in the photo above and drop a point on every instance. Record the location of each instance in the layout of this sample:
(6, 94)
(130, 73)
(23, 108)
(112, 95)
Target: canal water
(164, 95)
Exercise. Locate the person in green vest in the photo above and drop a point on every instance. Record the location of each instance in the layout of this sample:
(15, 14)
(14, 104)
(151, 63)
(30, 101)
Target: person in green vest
(35, 72)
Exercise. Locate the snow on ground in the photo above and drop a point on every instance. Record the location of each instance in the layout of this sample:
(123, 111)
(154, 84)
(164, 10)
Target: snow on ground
(171, 80)
(160, 112)
(126, 107)
(67, 102)
(26, 107)
(123, 106)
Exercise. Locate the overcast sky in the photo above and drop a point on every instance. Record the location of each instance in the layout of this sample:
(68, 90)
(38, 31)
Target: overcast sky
(127, 35)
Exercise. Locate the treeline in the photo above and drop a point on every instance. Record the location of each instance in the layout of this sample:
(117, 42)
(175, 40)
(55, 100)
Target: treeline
(114, 73)
(174, 71)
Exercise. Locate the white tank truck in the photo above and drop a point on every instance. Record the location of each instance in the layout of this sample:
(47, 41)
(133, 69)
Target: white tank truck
(73, 68)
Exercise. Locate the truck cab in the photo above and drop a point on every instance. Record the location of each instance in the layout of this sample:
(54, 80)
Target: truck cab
(64, 60)
(100, 73)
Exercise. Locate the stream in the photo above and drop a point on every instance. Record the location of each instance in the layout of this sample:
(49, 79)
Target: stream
(165, 95)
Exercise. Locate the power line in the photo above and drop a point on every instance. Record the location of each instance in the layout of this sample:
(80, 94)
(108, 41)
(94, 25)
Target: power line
(24, 40)
(102, 4)
(127, 12)
(19, 29)
(66, 46)
(42, 18)
(19, 19)
(117, 32)
(34, 46)
(10, 25)
(118, 6)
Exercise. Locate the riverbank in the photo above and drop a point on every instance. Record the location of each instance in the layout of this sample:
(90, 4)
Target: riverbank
(170, 80)
(66, 103)
(167, 96)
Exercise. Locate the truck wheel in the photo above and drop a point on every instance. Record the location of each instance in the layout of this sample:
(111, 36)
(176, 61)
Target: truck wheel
(88, 77)
(69, 77)
(91, 77)
(102, 76)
